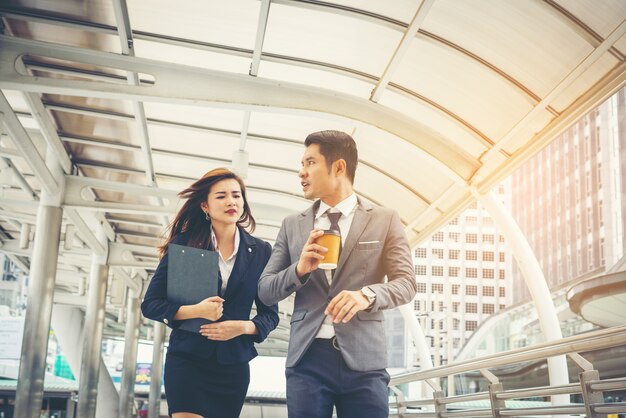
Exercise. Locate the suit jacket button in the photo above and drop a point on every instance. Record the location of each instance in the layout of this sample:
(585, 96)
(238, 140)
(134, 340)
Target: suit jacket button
(165, 321)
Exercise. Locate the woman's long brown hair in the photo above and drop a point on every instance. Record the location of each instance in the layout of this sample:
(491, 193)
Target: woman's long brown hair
(191, 217)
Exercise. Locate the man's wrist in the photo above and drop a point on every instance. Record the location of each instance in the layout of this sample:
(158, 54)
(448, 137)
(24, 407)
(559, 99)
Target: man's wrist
(369, 295)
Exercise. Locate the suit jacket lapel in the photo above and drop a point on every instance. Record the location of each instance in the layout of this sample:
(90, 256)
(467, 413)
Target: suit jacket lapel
(359, 223)
(245, 252)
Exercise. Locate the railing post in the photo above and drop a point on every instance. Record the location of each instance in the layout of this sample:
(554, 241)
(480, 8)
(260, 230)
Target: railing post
(590, 396)
(497, 405)
(440, 408)
(400, 401)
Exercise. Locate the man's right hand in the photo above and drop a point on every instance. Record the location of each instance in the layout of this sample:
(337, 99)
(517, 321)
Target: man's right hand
(311, 255)
(210, 308)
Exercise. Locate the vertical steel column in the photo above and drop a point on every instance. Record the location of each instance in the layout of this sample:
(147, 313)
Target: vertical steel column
(94, 325)
(537, 285)
(419, 339)
(29, 394)
(131, 337)
(154, 401)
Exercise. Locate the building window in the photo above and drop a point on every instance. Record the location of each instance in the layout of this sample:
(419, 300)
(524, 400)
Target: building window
(420, 253)
(501, 239)
(471, 308)
(420, 270)
(502, 307)
(455, 221)
(471, 290)
(487, 255)
(417, 305)
(455, 289)
(488, 308)
(453, 271)
(453, 254)
(471, 272)
(502, 292)
(453, 236)
(438, 236)
(437, 287)
(455, 324)
(455, 306)
(471, 220)
(501, 257)
(471, 255)
(488, 274)
(471, 325)
(437, 271)
(438, 253)
(488, 238)
(488, 291)
(501, 274)
(421, 288)
(471, 238)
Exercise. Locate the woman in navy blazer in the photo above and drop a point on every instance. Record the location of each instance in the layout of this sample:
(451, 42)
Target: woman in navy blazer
(207, 373)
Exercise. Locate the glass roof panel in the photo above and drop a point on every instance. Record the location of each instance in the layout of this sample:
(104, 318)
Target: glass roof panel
(97, 11)
(192, 56)
(445, 125)
(209, 117)
(231, 23)
(402, 10)
(621, 44)
(330, 38)
(601, 16)
(376, 187)
(464, 87)
(400, 160)
(534, 47)
(195, 142)
(65, 35)
(592, 75)
(295, 127)
(316, 78)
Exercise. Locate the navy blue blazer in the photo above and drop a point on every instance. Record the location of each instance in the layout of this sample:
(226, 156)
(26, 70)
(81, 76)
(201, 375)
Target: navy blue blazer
(241, 292)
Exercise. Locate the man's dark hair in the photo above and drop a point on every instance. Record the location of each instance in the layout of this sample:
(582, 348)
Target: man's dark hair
(335, 145)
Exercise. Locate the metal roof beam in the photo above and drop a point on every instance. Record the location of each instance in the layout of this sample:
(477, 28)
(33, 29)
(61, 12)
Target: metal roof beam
(398, 55)
(229, 90)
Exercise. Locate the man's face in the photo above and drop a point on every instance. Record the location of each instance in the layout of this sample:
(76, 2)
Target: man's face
(315, 175)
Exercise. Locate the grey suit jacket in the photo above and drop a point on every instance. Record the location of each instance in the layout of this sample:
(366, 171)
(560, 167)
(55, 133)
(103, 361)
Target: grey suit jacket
(376, 247)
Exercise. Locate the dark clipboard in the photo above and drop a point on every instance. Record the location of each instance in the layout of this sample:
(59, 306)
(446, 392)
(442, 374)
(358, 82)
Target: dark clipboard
(192, 276)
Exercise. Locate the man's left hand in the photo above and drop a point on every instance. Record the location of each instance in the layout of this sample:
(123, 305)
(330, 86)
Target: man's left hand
(345, 305)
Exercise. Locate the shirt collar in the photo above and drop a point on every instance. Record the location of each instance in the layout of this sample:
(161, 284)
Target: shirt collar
(346, 206)
(214, 241)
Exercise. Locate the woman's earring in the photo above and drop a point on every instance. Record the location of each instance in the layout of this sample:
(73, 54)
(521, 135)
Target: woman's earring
(206, 216)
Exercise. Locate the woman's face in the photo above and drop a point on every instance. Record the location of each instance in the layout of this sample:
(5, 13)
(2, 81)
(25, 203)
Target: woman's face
(224, 203)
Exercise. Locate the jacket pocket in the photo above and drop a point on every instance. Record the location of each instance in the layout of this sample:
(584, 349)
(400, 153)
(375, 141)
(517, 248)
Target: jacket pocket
(298, 316)
(368, 245)
(370, 316)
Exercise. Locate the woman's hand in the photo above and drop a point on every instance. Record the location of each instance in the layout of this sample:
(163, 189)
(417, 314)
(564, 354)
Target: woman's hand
(210, 308)
(226, 330)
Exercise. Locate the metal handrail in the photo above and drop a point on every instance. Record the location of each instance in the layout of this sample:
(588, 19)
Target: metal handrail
(544, 390)
(609, 384)
(590, 341)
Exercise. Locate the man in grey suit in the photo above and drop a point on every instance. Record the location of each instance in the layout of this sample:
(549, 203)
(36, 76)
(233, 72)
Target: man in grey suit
(337, 354)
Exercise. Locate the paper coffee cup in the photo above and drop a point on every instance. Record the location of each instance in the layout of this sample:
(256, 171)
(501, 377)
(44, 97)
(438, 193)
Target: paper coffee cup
(332, 241)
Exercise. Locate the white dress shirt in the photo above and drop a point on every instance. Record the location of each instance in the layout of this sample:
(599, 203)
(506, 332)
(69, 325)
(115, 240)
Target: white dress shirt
(226, 266)
(347, 208)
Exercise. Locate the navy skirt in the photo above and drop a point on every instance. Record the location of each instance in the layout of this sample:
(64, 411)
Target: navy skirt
(204, 386)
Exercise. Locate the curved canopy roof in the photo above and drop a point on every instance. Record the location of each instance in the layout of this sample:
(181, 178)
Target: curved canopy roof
(138, 98)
